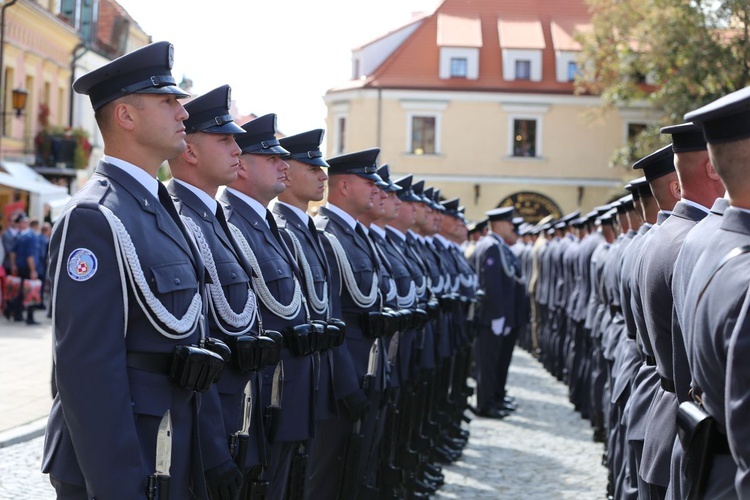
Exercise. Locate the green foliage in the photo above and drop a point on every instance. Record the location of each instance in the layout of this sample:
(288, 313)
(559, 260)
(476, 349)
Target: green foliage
(675, 55)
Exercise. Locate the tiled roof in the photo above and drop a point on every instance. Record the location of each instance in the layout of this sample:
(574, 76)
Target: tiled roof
(415, 64)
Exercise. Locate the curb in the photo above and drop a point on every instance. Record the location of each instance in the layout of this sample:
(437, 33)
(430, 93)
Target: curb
(23, 433)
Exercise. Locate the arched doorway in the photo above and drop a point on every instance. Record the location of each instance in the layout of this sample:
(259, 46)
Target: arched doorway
(533, 207)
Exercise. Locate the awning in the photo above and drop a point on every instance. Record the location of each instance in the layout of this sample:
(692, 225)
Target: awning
(455, 31)
(564, 31)
(520, 34)
(20, 176)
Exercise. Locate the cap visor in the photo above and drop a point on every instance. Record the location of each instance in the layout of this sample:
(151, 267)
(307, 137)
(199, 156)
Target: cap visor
(167, 89)
(227, 128)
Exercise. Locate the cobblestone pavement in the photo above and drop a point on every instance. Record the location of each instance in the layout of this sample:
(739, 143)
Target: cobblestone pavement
(544, 450)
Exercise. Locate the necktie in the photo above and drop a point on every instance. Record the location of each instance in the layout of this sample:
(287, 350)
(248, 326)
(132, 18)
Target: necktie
(166, 202)
(222, 220)
(313, 229)
(275, 231)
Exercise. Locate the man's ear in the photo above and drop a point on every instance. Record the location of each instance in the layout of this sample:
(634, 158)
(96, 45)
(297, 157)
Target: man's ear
(191, 153)
(124, 116)
(675, 189)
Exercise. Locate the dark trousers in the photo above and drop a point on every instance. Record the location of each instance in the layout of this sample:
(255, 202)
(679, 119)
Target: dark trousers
(280, 461)
(67, 491)
(17, 308)
(506, 354)
(489, 349)
(326, 463)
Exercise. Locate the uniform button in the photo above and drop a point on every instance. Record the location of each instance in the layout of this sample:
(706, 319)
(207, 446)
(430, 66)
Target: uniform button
(177, 281)
(279, 271)
(234, 275)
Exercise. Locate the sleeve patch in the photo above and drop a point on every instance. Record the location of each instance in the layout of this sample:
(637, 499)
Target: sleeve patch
(82, 264)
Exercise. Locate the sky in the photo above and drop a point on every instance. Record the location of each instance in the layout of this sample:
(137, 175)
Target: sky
(278, 56)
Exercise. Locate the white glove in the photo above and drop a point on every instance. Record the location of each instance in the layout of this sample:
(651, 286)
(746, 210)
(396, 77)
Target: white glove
(498, 326)
(506, 331)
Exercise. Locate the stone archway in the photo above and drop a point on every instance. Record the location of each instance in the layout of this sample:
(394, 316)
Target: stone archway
(532, 206)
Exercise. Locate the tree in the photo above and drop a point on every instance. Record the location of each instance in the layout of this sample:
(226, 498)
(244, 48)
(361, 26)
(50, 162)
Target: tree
(674, 55)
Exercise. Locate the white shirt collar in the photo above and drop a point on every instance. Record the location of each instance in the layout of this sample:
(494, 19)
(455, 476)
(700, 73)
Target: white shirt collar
(397, 232)
(252, 202)
(210, 203)
(137, 173)
(347, 218)
(694, 204)
(303, 216)
(377, 230)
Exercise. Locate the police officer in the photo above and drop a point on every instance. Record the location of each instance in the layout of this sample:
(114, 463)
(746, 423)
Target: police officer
(288, 388)
(351, 193)
(495, 265)
(305, 183)
(212, 160)
(715, 343)
(126, 287)
(697, 192)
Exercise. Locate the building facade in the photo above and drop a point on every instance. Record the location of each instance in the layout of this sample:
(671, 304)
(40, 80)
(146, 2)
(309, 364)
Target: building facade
(478, 98)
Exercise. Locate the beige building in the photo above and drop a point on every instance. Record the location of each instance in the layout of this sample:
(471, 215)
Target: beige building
(478, 99)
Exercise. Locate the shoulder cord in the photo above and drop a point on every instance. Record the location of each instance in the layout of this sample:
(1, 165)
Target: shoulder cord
(347, 275)
(287, 312)
(244, 320)
(410, 297)
(124, 246)
(510, 271)
(422, 287)
(319, 305)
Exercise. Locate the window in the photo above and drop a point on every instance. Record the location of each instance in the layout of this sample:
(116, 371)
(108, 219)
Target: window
(634, 130)
(572, 70)
(355, 69)
(524, 138)
(459, 67)
(340, 135)
(423, 135)
(459, 62)
(523, 69)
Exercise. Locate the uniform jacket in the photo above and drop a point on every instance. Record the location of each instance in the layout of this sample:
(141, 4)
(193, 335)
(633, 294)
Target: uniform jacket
(103, 423)
(234, 274)
(297, 407)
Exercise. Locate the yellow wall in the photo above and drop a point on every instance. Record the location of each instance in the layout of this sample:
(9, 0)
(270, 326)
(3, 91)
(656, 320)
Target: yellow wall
(474, 145)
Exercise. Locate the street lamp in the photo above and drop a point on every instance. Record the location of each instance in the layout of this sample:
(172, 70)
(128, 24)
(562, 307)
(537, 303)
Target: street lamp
(19, 101)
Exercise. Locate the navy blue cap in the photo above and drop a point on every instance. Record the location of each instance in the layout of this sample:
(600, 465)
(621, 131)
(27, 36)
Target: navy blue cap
(517, 221)
(210, 113)
(608, 217)
(503, 213)
(632, 187)
(433, 199)
(418, 189)
(305, 147)
(361, 163)
(641, 187)
(726, 119)
(625, 204)
(146, 70)
(451, 207)
(657, 164)
(568, 218)
(592, 216)
(686, 137)
(260, 137)
(384, 172)
(579, 222)
(602, 209)
(478, 225)
(406, 193)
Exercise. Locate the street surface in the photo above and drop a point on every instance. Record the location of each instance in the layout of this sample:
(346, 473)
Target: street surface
(542, 451)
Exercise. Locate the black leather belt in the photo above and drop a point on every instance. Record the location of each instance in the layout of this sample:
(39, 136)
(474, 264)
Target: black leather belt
(667, 384)
(154, 362)
(650, 361)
